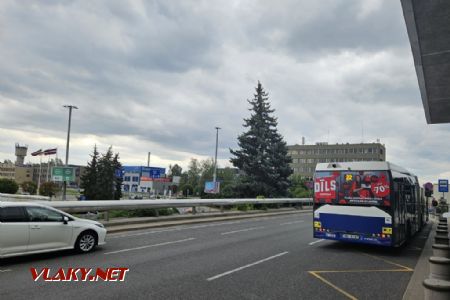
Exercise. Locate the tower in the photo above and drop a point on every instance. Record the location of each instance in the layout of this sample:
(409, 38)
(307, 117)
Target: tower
(21, 152)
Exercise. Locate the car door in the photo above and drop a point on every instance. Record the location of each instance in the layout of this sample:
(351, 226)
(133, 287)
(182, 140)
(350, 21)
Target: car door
(47, 229)
(14, 230)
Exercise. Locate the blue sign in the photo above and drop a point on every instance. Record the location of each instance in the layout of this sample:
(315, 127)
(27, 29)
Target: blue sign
(151, 172)
(443, 185)
(212, 187)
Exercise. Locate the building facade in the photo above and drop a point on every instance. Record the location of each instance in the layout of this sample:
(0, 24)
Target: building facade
(141, 179)
(305, 157)
(7, 170)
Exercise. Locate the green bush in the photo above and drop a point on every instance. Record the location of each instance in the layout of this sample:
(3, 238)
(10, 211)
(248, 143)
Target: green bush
(29, 187)
(8, 186)
(48, 189)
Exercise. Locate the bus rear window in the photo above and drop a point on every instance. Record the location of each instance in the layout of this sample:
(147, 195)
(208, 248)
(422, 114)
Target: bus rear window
(352, 187)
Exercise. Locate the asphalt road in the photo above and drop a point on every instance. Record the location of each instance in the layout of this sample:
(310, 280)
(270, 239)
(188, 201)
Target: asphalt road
(263, 258)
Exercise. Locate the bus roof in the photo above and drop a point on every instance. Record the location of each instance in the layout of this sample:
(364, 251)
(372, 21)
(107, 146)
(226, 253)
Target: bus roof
(361, 166)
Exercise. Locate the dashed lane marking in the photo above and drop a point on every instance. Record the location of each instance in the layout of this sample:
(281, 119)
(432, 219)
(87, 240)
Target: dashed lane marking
(294, 222)
(242, 230)
(149, 246)
(246, 266)
(7, 270)
(315, 242)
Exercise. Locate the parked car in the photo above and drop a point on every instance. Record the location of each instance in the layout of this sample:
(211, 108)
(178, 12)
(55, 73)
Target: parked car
(29, 228)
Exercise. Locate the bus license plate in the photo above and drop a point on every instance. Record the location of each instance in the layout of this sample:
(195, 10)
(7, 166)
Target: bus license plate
(350, 236)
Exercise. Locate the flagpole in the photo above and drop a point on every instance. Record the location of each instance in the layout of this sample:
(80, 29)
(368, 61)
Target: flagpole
(40, 169)
(48, 167)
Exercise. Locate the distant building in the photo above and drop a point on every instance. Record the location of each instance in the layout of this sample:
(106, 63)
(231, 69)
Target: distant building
(7, 170)
(141, 179)
(305, 157)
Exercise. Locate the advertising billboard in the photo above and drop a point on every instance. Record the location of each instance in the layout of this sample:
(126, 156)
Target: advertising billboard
(212, 187)
(352, 187)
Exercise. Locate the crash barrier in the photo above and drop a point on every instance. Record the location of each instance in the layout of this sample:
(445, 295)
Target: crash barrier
(437, 285)
(14, 197)
(108, 205)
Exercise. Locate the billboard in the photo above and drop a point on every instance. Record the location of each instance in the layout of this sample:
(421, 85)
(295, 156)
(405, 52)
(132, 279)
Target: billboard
(152, 172)
(212, 187)
(352, 187)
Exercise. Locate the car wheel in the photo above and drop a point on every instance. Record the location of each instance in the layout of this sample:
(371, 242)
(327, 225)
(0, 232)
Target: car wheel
(86, 241)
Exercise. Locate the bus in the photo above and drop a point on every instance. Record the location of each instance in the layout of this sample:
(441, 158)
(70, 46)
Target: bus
(367, 202)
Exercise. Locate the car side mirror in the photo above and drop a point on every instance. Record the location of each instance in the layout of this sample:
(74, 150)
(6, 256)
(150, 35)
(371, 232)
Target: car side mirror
(65, 219)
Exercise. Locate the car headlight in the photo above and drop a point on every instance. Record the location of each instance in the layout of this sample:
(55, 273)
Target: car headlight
(100, 225)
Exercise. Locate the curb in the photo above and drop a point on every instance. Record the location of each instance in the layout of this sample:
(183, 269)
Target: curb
(415, 289)
(154, 223)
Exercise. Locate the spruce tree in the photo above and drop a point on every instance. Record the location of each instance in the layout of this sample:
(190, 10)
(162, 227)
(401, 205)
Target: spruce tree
(106, 176)
(117, 177)
(89, 179)
(262, 153)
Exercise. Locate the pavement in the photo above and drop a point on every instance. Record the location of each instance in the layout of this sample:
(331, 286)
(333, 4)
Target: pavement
(265, 257)
(415, 289)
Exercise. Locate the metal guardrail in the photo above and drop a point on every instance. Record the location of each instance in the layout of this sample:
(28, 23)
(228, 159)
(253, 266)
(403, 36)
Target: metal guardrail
(107, 205)
(16, 197)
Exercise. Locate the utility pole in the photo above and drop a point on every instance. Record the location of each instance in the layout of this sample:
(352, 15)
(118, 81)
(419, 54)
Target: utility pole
(215, 157)
(148, 159)
(70, 107)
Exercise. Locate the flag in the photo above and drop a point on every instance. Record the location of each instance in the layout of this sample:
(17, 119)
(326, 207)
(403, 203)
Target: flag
(50, 151)
(36, 153)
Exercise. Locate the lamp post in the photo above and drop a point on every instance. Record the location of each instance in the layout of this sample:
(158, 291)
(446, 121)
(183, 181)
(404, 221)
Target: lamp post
(70, 107)
(215, 157)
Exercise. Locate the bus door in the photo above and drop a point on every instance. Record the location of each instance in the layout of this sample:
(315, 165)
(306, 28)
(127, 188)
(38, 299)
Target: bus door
(400, 210)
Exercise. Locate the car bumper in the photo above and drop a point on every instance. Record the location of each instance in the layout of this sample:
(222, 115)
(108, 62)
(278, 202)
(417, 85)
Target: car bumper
(101, 237)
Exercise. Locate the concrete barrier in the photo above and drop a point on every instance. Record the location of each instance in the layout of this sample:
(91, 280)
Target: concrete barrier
(441, 239)
(439, 268)
(436, 289)
(441, 250)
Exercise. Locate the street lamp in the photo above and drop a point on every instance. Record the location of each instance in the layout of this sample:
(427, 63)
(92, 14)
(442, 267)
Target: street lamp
(215, 158)
(70, 107)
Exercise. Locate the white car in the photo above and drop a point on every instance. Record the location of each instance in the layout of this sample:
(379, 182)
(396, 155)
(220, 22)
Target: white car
(28, 228)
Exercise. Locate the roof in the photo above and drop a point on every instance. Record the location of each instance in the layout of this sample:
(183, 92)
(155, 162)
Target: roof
(429, 36)
(361, 166)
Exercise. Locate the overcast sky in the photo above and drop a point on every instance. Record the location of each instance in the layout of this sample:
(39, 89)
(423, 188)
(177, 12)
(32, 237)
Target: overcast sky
(158, 76)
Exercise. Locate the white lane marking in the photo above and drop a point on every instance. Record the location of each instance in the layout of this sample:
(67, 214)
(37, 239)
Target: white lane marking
(242, 230)
(117, 235)
(171, 229)
(246, 266)
(295, 222)
(315, 242)
(149, 246)
(7, 270)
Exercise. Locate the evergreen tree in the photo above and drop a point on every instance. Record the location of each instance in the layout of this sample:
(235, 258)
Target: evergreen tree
(89, 180)
(106, 176)
(262, 153)
(117, 177)
(102, 180)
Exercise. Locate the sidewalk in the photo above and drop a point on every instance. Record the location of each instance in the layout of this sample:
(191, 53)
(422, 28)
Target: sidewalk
(415, 289)
(126, 224)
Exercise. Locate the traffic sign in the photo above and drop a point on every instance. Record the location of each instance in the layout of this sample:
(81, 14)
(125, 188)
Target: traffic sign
(443, 185)
(63, 174)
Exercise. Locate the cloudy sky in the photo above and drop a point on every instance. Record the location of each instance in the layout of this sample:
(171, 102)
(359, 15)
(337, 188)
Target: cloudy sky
(158, 76)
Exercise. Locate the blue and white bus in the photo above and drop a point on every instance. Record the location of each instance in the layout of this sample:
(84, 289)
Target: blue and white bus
(367, 202)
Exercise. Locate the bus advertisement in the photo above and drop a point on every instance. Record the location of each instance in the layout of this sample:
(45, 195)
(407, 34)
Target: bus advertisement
(367, 202)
